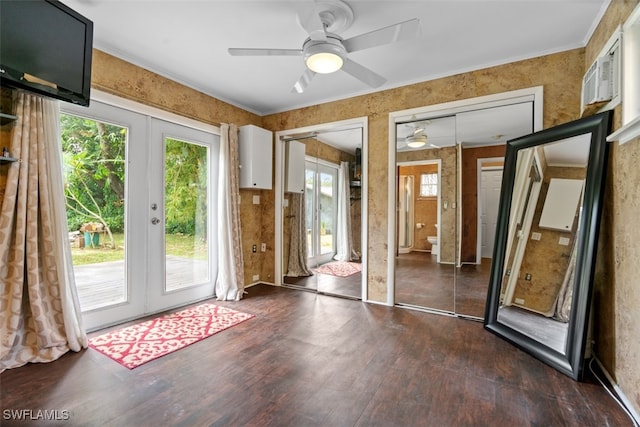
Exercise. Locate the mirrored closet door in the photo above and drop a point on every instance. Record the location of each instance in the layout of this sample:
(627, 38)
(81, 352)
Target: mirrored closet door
(448, 178)
(322, 213)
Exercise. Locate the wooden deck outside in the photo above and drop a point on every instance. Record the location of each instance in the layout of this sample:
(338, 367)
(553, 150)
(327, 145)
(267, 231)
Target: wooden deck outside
(103, 283)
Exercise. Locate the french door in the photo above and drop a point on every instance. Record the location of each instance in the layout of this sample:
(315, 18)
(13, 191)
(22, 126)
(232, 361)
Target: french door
(181, 210)
(141, 199)
(321, 207)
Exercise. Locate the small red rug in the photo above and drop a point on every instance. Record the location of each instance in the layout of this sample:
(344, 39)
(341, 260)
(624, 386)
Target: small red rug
(135, 345)
(339, 268)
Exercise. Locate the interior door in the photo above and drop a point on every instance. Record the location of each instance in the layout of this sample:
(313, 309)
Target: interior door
(491, 185)
(182, 263)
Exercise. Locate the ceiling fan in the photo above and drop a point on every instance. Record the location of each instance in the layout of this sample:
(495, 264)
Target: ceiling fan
(326, 52)
(418, 138)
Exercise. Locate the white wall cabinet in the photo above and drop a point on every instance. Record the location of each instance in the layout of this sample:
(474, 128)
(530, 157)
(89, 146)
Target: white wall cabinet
(564, 197)
(294, 160)
(256, 157)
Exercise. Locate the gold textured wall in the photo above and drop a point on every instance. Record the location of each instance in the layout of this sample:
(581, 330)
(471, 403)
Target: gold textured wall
(561, 80)
(617, 287)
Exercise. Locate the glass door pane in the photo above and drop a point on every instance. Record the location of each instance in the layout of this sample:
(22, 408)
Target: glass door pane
(327, 201)
(182, 263)
(94, 154)
(105, 179)
(186, 168)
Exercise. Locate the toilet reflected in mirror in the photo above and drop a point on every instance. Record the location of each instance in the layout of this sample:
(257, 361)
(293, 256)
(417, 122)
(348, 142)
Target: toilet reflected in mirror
(433, 241)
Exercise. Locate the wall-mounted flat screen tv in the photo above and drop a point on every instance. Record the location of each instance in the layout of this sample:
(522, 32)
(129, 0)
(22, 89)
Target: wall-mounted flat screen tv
(46, 47)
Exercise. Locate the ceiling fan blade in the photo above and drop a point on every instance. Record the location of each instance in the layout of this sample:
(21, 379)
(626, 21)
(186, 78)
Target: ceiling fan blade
(362, 73)
(264, 52)
(309, 19)
(393, 33)
(303, 81)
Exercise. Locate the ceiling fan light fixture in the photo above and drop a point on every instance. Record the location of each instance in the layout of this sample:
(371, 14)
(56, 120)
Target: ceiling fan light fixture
(324, 62)
(324, 56)
(416, 141)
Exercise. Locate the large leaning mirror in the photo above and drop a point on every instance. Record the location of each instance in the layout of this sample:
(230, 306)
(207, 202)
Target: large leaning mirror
(546, 238)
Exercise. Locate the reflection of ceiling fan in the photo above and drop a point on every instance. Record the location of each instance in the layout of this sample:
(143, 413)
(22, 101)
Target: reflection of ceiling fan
(418, 138)
(325, 52)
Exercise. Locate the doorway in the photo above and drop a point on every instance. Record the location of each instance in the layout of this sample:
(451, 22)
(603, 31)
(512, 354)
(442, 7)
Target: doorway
(141, 199)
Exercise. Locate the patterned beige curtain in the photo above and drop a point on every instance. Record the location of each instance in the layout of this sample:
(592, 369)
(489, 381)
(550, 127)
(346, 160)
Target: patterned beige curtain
(40, 319)
(297, 266)
(230, 281)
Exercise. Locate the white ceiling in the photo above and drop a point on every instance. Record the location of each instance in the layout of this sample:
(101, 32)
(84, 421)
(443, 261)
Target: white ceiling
(187, 41)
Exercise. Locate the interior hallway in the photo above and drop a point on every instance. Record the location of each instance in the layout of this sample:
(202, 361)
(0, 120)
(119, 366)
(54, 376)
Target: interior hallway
(314, 360)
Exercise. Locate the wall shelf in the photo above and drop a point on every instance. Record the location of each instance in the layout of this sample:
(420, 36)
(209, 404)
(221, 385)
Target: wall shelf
(6, 118)
(5, 160)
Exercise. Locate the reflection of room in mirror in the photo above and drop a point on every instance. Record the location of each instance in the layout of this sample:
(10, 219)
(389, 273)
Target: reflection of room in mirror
(328, 232)
(469, 143)
(541, 263)
(543, 329)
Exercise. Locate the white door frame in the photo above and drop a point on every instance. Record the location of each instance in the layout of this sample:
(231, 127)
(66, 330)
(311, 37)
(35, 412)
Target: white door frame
(534, 94)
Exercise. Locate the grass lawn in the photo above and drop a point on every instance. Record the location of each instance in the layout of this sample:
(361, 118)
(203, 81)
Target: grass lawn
(176, 245)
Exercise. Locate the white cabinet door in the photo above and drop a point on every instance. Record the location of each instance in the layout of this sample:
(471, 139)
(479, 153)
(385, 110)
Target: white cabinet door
(561, 205)
(295, 175)
(255, 156)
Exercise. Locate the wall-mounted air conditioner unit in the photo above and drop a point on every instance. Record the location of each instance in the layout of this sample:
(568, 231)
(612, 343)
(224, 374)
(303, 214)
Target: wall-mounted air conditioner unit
(597, 82)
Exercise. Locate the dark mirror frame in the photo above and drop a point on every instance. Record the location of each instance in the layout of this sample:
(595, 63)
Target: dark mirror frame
(571, 363)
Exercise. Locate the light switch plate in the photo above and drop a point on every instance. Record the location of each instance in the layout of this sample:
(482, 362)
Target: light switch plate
(256, 199)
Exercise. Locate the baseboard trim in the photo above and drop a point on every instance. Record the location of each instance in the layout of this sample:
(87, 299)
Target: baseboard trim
(619, 393)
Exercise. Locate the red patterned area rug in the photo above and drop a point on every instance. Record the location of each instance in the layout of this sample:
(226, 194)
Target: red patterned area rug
(135, 345)
(339, 268)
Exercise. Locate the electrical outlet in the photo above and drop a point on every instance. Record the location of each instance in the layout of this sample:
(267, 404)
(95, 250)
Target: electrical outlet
(263, 247)
(527, 277)
(256, 277)
(519, 301)
(254, 248)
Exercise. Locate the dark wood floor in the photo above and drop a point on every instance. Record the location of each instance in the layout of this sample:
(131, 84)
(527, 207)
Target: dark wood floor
(349, 286)
(421, 281)
(315, 360)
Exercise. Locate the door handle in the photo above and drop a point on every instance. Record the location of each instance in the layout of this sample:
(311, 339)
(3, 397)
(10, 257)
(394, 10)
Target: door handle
(154, 220)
